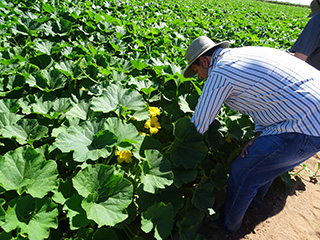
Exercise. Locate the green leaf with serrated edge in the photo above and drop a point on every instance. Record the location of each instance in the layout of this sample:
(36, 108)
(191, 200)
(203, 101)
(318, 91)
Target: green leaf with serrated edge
(25, 130)
(76, 214)
(61, 105)
(138, 64)
(47, 80)
(66, 67)
(84, 143)
(145, 85)
(189, 147)
(25, 170)
(158, 217)
(79, 110)
(156, 171)
(115, 98)
(11, 83)
(9, 105)
(9, 118)
(33, 217)
(119, 76)
(106, 194)
(124, 131)
(42, 107)
(43, 46)
(42, 61)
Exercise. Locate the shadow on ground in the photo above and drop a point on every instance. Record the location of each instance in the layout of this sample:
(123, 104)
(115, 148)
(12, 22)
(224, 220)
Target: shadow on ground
(273, 203)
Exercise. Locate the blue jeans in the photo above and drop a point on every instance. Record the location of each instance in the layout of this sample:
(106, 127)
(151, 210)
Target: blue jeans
(251, 176)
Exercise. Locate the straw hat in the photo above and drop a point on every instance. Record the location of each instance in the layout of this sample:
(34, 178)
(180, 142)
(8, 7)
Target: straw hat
(315, 7)
(198, 47)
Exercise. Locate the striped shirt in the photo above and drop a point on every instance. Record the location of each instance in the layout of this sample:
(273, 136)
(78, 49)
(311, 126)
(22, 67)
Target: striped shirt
(280, 92)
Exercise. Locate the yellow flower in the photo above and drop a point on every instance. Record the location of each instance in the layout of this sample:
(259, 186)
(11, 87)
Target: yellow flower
(143, 134)
(153, 125)
(228, 139)
(124, 155)
(154, 111)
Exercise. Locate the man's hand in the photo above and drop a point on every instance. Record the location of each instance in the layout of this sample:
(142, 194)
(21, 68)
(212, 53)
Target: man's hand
(245, 149)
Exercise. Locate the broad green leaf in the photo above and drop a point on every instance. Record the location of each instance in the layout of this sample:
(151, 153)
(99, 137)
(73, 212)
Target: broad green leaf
(119, 77)
(234, 130)
(77, 216)
(219, 176)
(139, 64)
(214, 136)
(66, 67)
(12, 82)
(9, 105)
(79, 110)
(125, 132)
(42, 61)
(146, 143)
(156, 171)
(85, 144)
(118, 99)
(61, 105)
(48, 8)
(41, 107)
(61, 27)
(182, 175)
(25, 170)
(33, 217)
(25, 131)
(44, 46)
(118, 44)
(47, 80)
(160, 218)
(189, 147)
(9, 118)
(106, 194)
(144, 85)
(203, 197)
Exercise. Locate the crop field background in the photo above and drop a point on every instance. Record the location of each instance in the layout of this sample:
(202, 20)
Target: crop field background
(95, 137)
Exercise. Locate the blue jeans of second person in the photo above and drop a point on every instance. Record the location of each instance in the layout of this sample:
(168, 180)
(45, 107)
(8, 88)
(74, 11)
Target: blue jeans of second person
(251, 176)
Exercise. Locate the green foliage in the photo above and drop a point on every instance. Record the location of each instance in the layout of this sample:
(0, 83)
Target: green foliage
(82, 155)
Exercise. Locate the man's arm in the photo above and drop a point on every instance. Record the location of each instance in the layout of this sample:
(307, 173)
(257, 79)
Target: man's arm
(301, 56)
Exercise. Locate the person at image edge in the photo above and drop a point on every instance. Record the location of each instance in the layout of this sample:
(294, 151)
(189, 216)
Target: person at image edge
(307, 46)
(280, 92)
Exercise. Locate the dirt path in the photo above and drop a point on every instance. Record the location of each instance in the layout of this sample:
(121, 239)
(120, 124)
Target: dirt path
(288, 212)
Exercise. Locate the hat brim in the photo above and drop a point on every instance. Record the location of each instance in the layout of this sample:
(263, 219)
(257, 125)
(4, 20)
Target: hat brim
(188, 72)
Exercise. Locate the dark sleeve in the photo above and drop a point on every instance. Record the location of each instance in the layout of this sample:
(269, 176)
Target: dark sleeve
(309, 39)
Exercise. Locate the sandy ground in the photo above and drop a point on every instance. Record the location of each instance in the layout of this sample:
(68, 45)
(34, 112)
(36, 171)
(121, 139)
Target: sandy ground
(287, 213)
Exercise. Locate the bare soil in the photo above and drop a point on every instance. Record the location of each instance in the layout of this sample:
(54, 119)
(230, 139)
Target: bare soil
(287, 213)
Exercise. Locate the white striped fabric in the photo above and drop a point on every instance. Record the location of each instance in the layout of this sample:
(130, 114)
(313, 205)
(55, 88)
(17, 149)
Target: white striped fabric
(280, 92)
